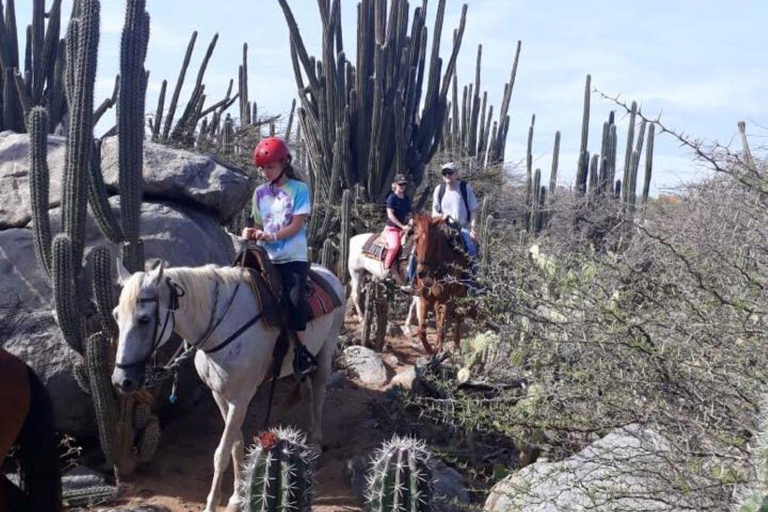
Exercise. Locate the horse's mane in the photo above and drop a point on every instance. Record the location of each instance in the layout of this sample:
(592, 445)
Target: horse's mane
(195, 281)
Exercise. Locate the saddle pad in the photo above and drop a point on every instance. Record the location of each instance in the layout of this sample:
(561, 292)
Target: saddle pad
(375, 247)
(320, 296)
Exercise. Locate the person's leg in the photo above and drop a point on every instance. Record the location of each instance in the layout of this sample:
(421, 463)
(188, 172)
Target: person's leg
(469, 244)
(393, 245)
(294, 276)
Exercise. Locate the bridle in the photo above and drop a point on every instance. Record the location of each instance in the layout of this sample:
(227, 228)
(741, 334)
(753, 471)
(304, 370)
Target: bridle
(186, 350)
(175, 293)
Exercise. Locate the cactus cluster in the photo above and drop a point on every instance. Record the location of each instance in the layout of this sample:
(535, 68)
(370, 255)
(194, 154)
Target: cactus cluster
(278, 473)
(41, 81)
(595, 173)
(401, 477)
(364, 121)
(61, 257)
(470, 130)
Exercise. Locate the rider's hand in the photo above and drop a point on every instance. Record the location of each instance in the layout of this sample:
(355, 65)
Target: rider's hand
(259, 235)
(473, 234)
(247, 233)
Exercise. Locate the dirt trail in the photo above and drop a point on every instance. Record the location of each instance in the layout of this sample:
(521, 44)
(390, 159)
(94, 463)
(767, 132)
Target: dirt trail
(181, 473)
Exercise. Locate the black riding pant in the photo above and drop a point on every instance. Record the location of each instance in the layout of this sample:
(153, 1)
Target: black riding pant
(294, 275)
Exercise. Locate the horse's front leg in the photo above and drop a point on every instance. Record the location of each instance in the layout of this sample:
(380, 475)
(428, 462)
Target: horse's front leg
(231, 436)
(421, 312)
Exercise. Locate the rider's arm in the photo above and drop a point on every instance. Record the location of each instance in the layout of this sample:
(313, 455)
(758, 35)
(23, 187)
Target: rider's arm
(473, 207)
(297, 221)
(392, 217)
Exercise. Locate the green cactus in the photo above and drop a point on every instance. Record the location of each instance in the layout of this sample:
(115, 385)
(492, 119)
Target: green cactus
(326, 258)
(401, 477)
(102, 289)
(142, 413)
(80, 373)
(90, 496)
(149, 440)
(628, 153)
(648, 163)
(102, 394)
(179, 84)
(130, 122)
(555, 164)
(278, 473)
(39, 180)
(345, 234)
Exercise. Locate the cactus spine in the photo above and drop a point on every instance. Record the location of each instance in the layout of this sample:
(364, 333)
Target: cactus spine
(278, 473)
(401, 477)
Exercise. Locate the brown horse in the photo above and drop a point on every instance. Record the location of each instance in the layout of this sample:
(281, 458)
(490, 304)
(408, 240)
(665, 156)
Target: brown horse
(438, 282)
(26, 420)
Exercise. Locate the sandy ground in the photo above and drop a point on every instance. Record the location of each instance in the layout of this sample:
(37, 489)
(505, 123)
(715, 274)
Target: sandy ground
(180, 476)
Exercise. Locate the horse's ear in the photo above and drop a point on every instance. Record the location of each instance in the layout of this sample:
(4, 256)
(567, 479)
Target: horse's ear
(122, 273)
(156, 275)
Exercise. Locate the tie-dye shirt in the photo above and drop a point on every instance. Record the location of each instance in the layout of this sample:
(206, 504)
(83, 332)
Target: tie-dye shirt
(273, 209)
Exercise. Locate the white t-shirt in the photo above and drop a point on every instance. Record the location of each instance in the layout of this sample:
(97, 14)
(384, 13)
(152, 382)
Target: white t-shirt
(453, 204)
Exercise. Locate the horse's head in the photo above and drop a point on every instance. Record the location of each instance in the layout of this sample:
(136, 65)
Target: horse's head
(145, 318)
(428, 241)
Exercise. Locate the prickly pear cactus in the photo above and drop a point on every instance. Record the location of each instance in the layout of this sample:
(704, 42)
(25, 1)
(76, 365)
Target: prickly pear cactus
(278, 473)
(401, 477)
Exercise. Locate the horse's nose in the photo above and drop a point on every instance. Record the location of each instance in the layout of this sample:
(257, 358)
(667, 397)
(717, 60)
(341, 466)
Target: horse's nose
(127, 385)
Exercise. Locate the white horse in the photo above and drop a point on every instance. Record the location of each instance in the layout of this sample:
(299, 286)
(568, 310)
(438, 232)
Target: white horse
(184, 300)
(358, 265)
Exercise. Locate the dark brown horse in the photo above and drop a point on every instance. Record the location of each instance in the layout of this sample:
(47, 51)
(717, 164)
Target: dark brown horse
(26, 420)
(438, 282)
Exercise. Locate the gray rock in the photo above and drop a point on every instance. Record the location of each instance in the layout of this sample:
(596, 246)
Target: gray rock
(449, 489)
(618, 472)
(404, 378)
(364, 365)
(39, 342)
(15, 205)
(184, 177)
(447, 484)
(179, 235)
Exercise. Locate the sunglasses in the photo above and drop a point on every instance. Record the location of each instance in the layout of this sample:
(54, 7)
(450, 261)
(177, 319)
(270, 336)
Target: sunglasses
(448, 173)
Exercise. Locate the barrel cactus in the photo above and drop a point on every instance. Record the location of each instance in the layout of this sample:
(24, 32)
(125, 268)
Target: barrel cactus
(401, 477)
(278, 473)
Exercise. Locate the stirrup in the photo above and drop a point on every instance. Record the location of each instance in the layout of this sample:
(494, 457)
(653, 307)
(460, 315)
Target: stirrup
(304, 362)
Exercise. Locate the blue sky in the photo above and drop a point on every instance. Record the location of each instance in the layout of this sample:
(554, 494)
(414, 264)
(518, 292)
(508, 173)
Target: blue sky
(701, 64)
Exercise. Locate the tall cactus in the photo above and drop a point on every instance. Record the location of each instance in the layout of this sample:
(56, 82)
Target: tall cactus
(345, 233)
(83, 182)
(401, 477)
(278, 473)
(364, 122)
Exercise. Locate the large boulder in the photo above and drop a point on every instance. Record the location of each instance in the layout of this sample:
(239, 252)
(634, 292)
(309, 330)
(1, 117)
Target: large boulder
(181, 236)
(15, 206)
(622, 471)
(363, 365)
(185, 178)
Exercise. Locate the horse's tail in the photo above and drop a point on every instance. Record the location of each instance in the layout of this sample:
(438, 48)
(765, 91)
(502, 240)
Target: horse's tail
(37, 452)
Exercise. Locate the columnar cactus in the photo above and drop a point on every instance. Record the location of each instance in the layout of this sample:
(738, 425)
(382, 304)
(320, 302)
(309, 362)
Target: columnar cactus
(345, 234)
(363, 122)
(62, 257)
(401, 477)
(278, 473)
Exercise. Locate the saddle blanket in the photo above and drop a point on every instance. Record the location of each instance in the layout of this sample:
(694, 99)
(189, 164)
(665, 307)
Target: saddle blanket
(320, 296)
(376, 246)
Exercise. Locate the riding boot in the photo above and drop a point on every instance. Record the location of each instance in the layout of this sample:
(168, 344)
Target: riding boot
(304, 362)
